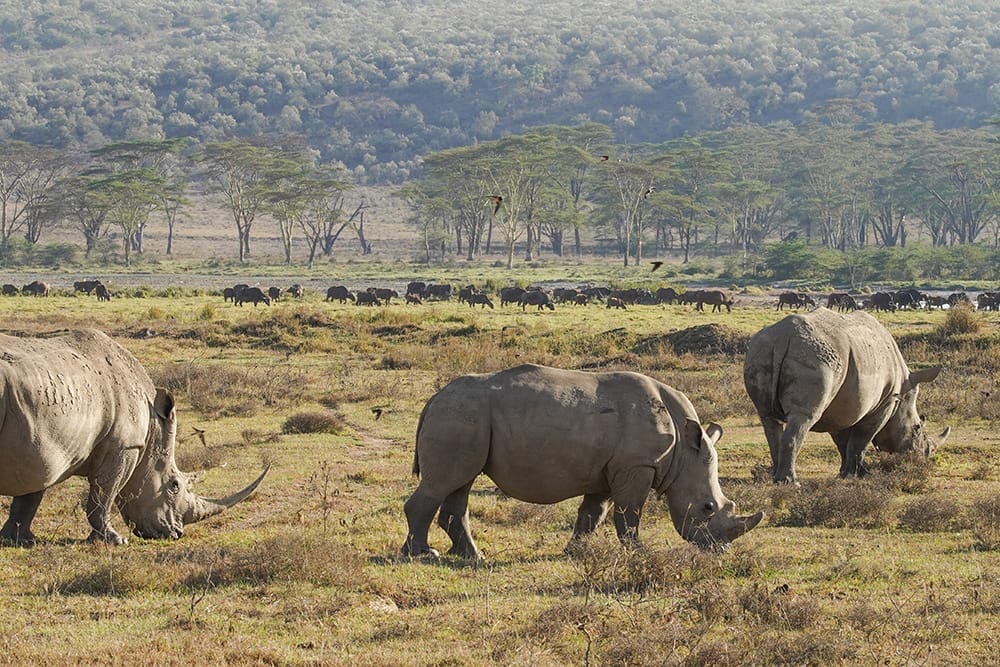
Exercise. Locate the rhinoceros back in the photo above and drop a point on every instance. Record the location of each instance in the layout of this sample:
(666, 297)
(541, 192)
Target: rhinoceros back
(61, 398)
(545, 434)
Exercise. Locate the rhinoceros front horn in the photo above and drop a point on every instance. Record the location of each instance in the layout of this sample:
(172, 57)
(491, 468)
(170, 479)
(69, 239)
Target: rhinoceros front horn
(202, 508)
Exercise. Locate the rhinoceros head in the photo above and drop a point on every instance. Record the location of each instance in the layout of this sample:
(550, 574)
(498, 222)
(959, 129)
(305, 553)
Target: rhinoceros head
(157, 501)
(905, 432)
(700, 511)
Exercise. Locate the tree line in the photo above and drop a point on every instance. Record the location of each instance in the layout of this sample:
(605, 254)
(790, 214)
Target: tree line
(838, 183)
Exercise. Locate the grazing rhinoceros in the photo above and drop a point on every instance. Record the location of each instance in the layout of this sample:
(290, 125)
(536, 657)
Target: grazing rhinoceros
(837, 374)
(82, 405)
(545, 434)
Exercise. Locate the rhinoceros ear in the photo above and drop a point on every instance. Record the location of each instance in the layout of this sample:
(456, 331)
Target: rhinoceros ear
(714, 432)
(924, 375)
(163, 404)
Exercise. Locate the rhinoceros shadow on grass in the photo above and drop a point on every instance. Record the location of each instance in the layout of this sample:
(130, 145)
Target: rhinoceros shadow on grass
(82, 405)
(839, 374)
(544, 435)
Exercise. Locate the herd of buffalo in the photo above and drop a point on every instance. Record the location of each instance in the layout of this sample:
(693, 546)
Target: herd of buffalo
(541, 434)
(417, 292)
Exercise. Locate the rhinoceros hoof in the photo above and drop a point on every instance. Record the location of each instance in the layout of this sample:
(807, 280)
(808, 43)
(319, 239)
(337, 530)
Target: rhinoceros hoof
(18, 539)
(107, 537)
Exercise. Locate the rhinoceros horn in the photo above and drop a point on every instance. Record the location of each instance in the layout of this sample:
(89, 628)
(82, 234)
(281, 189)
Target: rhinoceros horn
(202, 508)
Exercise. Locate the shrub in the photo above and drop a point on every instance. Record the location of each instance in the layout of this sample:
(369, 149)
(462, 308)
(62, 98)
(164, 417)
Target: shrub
(858, 503)
(313, 422)
(929, 514)
(961, 319)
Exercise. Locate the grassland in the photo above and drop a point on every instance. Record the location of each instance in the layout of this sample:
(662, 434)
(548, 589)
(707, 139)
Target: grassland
(901, 567)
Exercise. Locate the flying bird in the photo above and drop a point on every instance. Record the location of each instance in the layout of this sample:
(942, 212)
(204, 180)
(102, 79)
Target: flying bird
(656, 265)
(377, 411)
(604, 158)
(200, 432)
(497, 201)
(648, 192)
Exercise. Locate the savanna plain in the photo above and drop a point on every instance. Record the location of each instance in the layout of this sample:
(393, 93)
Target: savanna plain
(899, 567)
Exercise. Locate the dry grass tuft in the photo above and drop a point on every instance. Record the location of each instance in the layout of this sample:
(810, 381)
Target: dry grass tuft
(986, 524)
(960, 320)
(930, 514)
(314, 422)
(910, 472)
(606, 566)
(225, 391)
(300, 556)
(838, 503)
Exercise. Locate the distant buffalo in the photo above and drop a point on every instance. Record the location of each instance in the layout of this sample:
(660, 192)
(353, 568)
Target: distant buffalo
(481, 299)
(716, 298)
(536, 298)
(10, 290)
(253, 295)
(667, 295)
(102, 292)
(367, 299)
(438, 292)
(842, 302)
(295, 290)
(615, 302)
(231, 293)
(36, 288)
(274, 293)
(510, 295)
(416, 287)
(794, 300)
(882, 301)
(340, 293)
(384, 295)
(86, 286)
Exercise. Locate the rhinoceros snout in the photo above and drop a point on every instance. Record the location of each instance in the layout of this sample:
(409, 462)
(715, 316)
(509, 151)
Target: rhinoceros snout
(723, 528)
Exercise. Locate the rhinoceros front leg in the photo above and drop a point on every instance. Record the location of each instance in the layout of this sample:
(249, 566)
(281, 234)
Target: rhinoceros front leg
(852, 444)
(629, 492)
(17, 530)
(99, 503)
(454, 519)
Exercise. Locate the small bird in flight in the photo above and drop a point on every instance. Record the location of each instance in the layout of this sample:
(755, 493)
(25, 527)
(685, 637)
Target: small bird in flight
(604, 158)
(648, 192)
(657, 264)
(497, 201)
(377, 411)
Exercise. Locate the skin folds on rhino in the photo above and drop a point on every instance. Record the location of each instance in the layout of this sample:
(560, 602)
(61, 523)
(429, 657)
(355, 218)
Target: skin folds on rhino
(544, 435)
(837, 374)
(82, 405)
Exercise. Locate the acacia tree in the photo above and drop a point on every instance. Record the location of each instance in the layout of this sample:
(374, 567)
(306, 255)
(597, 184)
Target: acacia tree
(131, 196)
(28, 177)
(459, 176)
(432, 216)
(243, 172)
(160, 161)
(628, 187)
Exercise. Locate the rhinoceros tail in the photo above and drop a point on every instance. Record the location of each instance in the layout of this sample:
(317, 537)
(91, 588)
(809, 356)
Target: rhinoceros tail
(778, 354)
(416, 455)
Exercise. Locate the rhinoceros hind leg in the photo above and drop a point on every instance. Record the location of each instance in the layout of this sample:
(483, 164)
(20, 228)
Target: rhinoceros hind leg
(795, 432)
(454, 519)
(592, 512)
(17, 530)
(419, 510)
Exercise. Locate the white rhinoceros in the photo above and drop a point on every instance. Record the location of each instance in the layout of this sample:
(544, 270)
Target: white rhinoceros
(545, 434)
(82, 405)
(838, 374)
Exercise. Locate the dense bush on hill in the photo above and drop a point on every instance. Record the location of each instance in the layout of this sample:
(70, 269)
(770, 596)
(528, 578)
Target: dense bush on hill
(375, 85)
